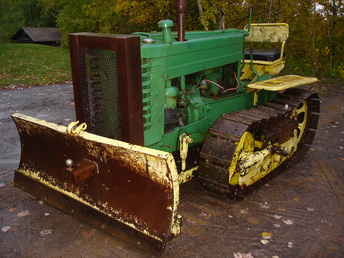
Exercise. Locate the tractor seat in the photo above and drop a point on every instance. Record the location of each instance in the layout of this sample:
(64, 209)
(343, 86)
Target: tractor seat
(263, 54)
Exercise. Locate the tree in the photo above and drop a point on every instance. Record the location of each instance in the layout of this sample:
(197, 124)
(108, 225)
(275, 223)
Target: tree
(333, 10)
(316, 26)
(18, 13)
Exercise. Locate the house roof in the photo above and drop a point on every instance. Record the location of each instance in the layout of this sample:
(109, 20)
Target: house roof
(43, 34)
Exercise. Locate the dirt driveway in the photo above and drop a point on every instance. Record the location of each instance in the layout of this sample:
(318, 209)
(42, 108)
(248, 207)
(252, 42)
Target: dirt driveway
(298, 213)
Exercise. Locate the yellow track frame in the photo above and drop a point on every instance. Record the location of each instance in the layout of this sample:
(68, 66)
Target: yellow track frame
(249, 164)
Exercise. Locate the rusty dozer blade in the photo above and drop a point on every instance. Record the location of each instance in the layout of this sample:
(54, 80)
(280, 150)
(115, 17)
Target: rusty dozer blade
(134, 185)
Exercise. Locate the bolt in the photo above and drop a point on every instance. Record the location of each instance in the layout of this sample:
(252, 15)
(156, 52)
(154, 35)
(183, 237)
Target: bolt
(148, 40)
(179, 219)
(69, 163)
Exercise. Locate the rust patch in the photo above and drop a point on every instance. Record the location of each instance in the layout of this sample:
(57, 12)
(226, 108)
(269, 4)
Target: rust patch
(122, 183)
(83, 171)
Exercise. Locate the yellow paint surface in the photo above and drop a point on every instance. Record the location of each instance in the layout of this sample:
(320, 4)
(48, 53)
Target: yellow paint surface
(268, 32)
(249, 165)
(282, 83)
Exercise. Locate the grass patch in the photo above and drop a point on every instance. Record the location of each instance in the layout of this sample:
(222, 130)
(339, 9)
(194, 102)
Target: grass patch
(33, 64)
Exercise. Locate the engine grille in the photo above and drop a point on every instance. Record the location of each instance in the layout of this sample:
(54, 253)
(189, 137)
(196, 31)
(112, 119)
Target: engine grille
(107, 84)
(102, 92)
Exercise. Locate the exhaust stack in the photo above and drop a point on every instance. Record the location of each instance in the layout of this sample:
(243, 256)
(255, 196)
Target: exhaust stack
(181, 6)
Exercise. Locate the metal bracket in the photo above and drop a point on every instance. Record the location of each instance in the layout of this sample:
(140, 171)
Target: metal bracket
(255, 98)
(187, 175)
(74, 128)
(184, 141)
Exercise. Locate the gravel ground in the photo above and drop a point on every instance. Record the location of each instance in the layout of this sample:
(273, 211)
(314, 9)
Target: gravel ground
(298, 213)
(52, 103)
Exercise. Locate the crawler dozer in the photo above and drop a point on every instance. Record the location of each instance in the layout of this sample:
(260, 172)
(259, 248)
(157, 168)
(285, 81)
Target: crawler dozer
(156, 110)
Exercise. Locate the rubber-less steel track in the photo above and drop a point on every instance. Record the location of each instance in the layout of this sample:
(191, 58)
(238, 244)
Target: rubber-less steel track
(271, 122)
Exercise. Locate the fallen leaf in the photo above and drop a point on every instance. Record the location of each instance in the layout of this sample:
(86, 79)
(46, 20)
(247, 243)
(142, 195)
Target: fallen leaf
(45, 232)
(46, 214)
(310, 209)
(288, 222)
(5, 228)
(264, 205)
(23, 213)
(277, 225)
(290, 244)
(276, 216)
(243, 211)
(203, 214)
(243, 255)
(264, 241)
(266, 235)
(253, 220)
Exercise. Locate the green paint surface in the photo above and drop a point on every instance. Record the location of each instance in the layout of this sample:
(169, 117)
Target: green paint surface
(182, 80)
